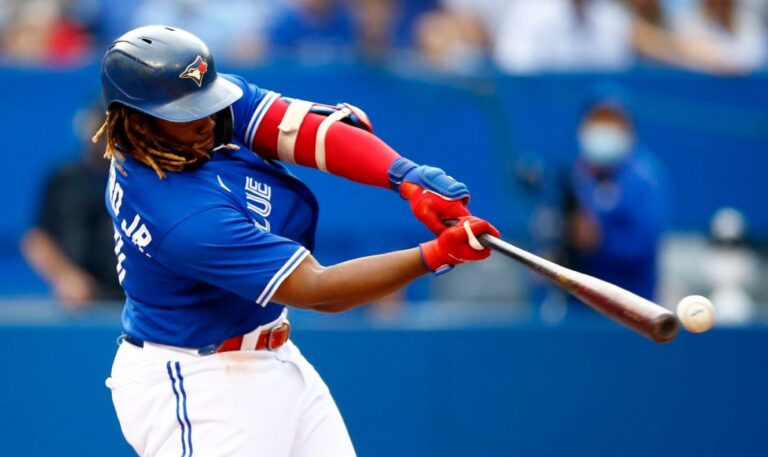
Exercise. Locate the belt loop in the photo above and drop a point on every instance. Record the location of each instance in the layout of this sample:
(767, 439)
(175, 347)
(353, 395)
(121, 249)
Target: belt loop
(250, 340)
(269, 337)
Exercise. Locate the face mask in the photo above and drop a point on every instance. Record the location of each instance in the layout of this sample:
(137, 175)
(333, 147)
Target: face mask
(603, 144)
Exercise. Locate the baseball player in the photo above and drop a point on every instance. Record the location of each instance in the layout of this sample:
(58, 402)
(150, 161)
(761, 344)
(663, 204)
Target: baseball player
(213, 238)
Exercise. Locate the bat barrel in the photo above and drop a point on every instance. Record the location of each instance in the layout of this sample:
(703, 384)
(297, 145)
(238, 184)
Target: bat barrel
(661, 327)
(666, 329)
(641, 315)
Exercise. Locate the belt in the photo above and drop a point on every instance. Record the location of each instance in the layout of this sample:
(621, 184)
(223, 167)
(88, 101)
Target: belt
(269, 339)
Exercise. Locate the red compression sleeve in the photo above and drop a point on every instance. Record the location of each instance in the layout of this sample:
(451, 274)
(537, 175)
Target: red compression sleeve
(351, 152)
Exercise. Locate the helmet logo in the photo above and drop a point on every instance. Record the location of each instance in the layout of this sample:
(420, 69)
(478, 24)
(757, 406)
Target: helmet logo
(195, 71)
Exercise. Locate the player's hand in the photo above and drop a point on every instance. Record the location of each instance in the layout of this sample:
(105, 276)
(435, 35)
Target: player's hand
(583, 231)
(434, 196)
(457, 244)
(75, 289)
(433, 209)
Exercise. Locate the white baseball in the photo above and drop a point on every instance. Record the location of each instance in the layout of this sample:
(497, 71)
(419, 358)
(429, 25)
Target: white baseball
(696, 313)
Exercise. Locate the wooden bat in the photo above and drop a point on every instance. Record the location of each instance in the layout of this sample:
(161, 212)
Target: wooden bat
(642, 316)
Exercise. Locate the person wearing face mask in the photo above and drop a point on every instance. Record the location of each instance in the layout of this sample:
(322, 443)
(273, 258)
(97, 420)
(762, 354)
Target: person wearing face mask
(617, 208)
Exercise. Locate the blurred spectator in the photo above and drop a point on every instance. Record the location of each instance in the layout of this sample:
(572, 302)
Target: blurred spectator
(71, 244)
(42, 32)
(564, 35)
(651, 35)
(489, 12)
(618, 201)
(757, 7)
(649, 11)
(376, 22)
(731, 268)
(451, 41)
(8, 12)
(722, 36)
(315, 30)
(235, 30)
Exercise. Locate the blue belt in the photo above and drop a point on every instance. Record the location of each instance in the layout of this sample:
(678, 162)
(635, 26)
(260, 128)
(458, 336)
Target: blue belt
(138, 342)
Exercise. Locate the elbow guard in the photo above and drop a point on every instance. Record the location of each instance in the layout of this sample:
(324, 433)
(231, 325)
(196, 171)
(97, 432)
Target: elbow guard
(344, 112)
(288, 130)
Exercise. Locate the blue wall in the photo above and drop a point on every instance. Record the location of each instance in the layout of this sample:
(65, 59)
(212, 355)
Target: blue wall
(712, 133)
(588, 390)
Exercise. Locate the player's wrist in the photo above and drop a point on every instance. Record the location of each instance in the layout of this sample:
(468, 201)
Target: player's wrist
(397, 172)
(435, 258)
(431, 179)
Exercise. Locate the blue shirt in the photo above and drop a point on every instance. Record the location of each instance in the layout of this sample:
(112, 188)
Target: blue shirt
(314, 35)
(201, 253)
(630, 209)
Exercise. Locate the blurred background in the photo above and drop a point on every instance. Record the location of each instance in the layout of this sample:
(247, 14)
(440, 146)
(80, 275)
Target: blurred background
(626, 139)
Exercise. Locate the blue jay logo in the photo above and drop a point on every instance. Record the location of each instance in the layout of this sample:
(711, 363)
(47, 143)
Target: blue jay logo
(195, 71)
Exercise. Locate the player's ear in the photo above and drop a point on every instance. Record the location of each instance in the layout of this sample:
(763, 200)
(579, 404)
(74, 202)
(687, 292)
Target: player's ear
(223, 131)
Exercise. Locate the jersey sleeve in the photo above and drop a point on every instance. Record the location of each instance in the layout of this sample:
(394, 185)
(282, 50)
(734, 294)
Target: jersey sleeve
(249, 110)
(222, 247)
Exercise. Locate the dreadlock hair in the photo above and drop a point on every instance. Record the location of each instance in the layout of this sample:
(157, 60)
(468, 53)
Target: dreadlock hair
(133, 133)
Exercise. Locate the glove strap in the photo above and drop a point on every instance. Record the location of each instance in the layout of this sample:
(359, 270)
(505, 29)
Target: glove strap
(397, 171)
(431, 257)
(432, 179)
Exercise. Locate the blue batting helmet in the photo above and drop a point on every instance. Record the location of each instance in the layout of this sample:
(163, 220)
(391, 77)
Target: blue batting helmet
(167, 73)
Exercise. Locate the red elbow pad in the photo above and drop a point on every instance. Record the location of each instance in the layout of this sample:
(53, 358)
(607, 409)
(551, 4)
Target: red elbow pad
(293, 133)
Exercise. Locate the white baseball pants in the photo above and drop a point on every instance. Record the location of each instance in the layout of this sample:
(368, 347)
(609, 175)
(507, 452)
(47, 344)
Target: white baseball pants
(173, 402)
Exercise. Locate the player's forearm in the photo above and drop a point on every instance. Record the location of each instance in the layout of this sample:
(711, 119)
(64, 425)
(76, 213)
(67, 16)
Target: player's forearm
(358, 155)
(352, 283)
(361, 281)
(45, 257)
(342, 150)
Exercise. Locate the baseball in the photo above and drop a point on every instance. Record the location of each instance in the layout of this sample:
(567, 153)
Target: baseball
(696, 313)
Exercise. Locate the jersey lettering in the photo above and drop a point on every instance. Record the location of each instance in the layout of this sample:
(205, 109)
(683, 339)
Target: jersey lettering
(120, 256)
(140, 236)
(129, 230)
(115, 193)
(258, 196)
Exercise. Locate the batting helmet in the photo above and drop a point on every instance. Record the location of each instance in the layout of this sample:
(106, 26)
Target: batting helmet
(167, 73)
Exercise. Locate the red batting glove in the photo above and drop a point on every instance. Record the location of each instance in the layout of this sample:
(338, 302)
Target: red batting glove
(432, 209)
(457, 244)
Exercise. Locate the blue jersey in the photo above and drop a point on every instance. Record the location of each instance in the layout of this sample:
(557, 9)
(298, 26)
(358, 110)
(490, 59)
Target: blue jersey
(201, 253)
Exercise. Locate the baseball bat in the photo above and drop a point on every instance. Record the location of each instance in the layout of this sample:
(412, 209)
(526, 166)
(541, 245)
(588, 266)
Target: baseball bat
(641, 315)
